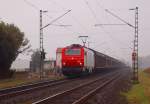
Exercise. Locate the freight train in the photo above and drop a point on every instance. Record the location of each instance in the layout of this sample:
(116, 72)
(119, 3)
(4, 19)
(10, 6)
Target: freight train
(75, 60)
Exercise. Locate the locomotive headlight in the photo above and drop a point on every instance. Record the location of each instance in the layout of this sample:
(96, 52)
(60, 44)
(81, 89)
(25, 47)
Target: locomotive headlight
(80, 63)
(64, 63)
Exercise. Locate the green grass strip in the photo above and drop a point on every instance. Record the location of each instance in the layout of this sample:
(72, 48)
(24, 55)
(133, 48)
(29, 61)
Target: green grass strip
(139, 93)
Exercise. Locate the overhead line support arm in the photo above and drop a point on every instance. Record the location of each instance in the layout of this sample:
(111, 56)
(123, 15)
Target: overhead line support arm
(119, 18)
(55, 19)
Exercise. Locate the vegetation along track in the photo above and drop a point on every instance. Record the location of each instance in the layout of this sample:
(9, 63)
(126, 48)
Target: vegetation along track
(33, 93)
(79, 94)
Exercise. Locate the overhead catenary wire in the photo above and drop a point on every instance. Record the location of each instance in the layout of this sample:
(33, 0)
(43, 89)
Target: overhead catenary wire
(75, 19)
(37, 8)
(32, 5)
(94, 15)
(72, 16)
(96, 19)
(89, 7)
(106, 10)
(118, 24)
(119, 18)
(60, 25)
(101, 7)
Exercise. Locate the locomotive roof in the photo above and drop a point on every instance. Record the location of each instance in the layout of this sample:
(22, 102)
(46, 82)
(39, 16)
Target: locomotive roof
(75, 46)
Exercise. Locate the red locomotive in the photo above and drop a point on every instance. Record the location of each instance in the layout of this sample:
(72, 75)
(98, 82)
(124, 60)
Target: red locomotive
(76, 59)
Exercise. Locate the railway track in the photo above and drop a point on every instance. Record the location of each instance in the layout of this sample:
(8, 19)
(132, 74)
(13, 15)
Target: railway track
(79, 94)
(23, 87)
(27, 86)
(15, 91)
(42, 90)
(7, 92)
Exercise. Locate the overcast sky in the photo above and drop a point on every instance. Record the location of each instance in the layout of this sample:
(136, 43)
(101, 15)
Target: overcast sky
(112, 40)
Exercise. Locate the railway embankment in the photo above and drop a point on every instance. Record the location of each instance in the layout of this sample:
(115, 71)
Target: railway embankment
(140, 93)
(23, 78)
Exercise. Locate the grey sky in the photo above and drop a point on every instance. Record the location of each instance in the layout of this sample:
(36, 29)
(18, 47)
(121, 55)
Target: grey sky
(112, 40)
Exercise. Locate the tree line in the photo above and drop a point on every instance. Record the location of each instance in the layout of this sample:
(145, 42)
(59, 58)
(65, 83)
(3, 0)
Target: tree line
(12, 43)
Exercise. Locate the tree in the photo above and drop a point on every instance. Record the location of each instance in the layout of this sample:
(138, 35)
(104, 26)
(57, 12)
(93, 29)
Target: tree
(35, 60)
(12, 42)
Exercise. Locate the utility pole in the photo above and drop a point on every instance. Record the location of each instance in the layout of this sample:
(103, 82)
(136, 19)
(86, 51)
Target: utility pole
(135, 49)
(135, 45)
(42, 53)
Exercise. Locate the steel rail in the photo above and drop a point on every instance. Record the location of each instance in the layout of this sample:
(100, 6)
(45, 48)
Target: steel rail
(83, 99)
(28, 90)
(48, 99)
(14, 92)
(25, 86)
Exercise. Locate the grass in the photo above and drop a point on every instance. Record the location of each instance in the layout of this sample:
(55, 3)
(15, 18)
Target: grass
(140, 93)
(21, 79)
(14, 82)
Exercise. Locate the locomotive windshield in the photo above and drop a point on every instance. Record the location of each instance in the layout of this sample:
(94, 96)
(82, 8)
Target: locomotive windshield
(73, 52)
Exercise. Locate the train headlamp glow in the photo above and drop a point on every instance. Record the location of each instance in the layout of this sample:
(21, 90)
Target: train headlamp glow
(64, 63)
(80, 63)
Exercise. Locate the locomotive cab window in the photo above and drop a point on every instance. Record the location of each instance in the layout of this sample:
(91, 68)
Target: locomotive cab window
(73, 52)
